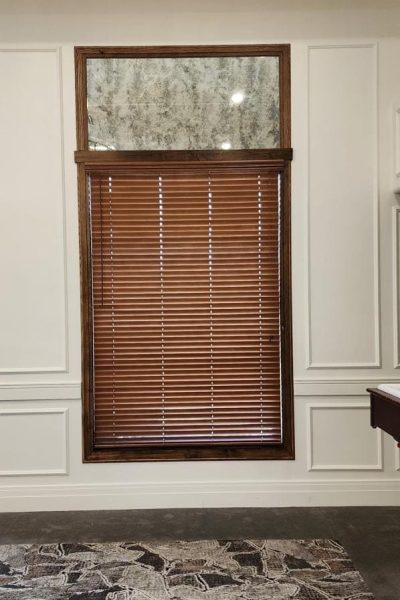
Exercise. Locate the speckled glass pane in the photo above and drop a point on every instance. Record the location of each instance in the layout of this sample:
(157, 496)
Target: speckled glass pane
(183, 103)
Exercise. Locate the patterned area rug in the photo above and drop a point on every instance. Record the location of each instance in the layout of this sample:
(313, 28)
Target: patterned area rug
(182, 570)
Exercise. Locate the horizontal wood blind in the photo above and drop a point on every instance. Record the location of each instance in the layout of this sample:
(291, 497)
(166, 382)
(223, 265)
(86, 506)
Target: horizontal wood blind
(185, 306)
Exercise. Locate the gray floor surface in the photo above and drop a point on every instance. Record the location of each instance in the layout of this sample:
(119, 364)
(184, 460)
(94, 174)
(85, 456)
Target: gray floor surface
(371, 535)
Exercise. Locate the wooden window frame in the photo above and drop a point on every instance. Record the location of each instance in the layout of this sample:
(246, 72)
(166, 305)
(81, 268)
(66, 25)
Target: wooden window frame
(89, 161)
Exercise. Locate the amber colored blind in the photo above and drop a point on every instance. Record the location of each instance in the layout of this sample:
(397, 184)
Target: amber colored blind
(185, 292)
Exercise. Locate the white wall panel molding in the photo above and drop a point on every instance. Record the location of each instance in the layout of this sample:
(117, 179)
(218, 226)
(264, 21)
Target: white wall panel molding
(303, 387)
(58, 150)
(34, 441)
(397, 458)
(356, 445)
(397, 143)
(40, 391)
(396, 279)
(383, 492)
(338, 386)
(328, 327)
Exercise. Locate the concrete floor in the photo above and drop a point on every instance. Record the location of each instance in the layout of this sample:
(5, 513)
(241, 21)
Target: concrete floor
(370, 535)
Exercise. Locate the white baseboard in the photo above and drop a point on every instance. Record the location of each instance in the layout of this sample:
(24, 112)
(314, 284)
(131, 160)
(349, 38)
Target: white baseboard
(382, 492)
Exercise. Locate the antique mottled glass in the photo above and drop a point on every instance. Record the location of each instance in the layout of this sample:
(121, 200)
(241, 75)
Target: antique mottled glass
(183, 103)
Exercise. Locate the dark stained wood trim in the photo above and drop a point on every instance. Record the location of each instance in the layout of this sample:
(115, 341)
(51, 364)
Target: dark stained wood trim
(179, 453)
(86, 313)
(179, 156)
(81, 101)
(182, 51)
(287, 400)
(82, 53)
(285, 97)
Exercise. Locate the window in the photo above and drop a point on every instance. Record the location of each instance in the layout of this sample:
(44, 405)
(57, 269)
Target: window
(185, 253)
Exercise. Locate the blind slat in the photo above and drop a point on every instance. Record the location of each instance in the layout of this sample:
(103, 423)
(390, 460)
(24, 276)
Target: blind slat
(185, 288)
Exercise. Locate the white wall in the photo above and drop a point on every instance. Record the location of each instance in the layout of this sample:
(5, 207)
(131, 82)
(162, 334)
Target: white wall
(346, 225)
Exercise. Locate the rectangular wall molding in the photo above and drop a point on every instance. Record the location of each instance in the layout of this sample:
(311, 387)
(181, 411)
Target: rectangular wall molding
(397, 142)
(337, 441)
(313, 358)
(396, 291)
(36, 445)
(63, 367)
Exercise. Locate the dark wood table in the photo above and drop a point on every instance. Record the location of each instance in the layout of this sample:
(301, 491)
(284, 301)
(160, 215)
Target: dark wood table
(385, 412)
